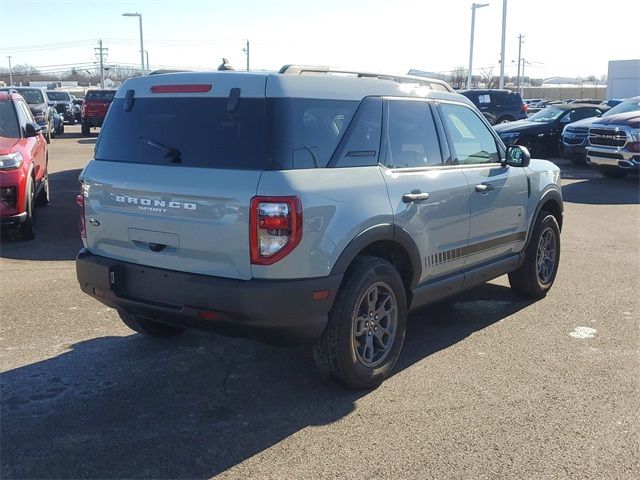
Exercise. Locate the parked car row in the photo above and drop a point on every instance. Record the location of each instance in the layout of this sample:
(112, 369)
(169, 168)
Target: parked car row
(585, 131)
(51, 109)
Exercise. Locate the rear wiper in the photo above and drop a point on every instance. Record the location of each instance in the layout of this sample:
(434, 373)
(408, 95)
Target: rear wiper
(172, 154)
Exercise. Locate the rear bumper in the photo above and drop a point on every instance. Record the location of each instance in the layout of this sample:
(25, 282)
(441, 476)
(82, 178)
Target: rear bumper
(93, 121)
(279, 311)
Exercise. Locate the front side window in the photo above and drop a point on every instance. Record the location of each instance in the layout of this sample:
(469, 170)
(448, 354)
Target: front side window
(9, 127)
(472, 140)
(411, 136)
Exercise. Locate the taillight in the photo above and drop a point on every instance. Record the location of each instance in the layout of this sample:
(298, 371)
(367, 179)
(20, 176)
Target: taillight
(275, 228)
(525, 107)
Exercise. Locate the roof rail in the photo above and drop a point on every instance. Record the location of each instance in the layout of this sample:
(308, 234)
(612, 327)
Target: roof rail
(319, 70)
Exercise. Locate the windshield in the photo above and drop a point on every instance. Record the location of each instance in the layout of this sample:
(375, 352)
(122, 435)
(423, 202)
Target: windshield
(549, 114)
(626, 106)
(103, 96)
(8, 121)
(32, 96)
(59, 96)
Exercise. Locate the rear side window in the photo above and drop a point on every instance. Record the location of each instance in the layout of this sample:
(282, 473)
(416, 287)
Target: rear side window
(305, 132)
(100, 96)
(471, 138)
(411, 137)
(192, 132)
(9, 127)
(359, 147)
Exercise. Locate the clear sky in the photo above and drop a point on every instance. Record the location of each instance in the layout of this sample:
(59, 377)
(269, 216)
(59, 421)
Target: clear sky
(562, 37)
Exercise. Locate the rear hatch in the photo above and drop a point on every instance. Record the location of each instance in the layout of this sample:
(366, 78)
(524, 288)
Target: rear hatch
(177, 163)
(96, 104)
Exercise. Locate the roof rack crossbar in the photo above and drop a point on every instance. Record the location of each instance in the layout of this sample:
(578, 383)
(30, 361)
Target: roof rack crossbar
(302, 69)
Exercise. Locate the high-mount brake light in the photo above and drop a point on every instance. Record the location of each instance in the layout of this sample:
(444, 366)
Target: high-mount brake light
(182, 88)
(275, 228)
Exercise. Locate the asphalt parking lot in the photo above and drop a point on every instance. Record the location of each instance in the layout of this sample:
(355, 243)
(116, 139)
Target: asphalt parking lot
(492, 386)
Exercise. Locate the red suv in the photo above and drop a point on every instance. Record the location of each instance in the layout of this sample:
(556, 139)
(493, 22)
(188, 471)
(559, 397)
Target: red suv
(23, 165)
(94, 108)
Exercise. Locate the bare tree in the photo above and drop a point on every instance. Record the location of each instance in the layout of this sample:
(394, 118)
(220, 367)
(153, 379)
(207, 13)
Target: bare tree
(458, 77)
(489, 80)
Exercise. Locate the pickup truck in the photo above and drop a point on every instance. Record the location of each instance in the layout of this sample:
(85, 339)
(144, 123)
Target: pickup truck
(614, 144)
(94, 109)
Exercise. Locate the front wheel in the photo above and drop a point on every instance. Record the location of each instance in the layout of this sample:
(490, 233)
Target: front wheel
(364, 335)
(148, 327)
(28, 227)
(85, 130)
(538, 272)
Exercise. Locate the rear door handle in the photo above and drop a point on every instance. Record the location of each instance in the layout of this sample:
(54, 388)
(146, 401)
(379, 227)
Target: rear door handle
(415, 196)
(484, 187)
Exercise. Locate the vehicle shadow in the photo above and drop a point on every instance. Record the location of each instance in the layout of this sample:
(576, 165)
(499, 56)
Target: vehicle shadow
(88, 141)
(57, 235)
(130, 407)
(602, 191)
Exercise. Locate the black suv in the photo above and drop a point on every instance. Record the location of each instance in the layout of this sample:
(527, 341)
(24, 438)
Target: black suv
(498, 106)
(63, 103)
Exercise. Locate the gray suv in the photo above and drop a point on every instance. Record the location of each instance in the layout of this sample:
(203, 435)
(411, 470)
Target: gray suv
(307, 206)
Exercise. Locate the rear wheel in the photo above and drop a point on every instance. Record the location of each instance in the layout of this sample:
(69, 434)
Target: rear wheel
(28, 227)
(538, 272)
(47, 136)
(612, 172)
(366, 327)
(149, 327)
(85, 130)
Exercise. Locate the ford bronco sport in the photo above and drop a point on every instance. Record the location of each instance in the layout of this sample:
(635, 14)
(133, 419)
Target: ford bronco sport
(307, 206)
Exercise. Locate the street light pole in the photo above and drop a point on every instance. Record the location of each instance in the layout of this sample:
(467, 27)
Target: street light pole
(520, 37)
(139, 15)
(10, 72)
(473, 27)
(504, 39)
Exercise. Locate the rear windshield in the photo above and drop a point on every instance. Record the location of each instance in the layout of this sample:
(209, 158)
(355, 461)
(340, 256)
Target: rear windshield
(104, 96)
(58, 96)
(258, 134)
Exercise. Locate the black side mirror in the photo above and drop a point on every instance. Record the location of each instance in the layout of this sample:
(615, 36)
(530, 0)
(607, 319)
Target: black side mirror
(32, 129)
(518, 156)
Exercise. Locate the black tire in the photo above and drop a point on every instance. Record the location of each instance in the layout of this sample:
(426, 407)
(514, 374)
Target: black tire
(505, 119)
(578, 159)
(534, 147)
(149, 327)
(43, 195)
(336, 353)
(47, 136)
(28, 227)
(85, 130)
(612, 172)
(527, 279)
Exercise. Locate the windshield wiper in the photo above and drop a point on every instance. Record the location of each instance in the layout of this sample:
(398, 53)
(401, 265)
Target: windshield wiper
(173, 154)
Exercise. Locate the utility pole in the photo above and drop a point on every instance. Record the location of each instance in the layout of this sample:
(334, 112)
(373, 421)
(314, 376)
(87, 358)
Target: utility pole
(101, 52)
(146, 54)
(523, 64)
(504, 39)
(520, 37)
(246, 51)
(10, 72)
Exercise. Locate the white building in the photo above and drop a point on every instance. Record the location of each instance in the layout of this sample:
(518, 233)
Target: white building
(623, 80)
